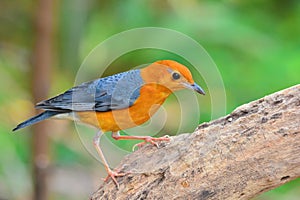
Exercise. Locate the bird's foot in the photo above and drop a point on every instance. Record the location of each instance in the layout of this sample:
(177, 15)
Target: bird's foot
(113, 174)
(151, 140)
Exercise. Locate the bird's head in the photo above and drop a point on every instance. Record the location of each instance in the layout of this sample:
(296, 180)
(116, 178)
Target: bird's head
(170, 74)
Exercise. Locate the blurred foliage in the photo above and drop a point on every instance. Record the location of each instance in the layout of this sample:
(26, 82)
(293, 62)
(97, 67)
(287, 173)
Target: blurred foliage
(255, 44)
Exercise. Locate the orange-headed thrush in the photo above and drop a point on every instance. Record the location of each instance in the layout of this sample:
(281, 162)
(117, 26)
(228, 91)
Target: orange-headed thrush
(118, 102)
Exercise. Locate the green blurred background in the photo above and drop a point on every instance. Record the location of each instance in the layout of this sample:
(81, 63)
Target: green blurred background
(255, 44)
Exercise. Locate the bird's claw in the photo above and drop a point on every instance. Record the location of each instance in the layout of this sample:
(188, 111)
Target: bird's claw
(151, 140)
(113, 174)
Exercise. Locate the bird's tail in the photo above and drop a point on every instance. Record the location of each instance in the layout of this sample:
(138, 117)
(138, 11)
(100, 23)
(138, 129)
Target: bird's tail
(45, 115)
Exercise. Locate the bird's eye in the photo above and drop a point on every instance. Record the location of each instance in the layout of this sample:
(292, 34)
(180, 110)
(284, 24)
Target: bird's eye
(175, 76)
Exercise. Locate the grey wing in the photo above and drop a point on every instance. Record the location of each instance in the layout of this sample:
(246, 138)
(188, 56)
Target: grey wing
(109, 93)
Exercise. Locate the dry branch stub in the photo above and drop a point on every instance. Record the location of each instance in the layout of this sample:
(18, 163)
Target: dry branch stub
(250, 151)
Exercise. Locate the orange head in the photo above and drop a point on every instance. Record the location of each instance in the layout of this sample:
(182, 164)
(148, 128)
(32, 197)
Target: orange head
(170, 74)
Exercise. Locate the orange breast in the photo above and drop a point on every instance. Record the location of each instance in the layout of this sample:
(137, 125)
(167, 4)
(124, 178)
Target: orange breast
(150, 99)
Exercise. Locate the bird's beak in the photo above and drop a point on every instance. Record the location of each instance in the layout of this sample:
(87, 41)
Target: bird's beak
(195, 87)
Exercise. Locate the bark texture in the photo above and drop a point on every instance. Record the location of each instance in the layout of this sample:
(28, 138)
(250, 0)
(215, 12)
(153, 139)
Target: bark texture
(252, 150)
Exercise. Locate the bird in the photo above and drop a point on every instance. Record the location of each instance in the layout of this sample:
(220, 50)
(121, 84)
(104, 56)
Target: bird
(118, 102)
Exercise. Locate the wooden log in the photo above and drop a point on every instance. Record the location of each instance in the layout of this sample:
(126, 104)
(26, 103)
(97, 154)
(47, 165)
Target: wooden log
(252, 150)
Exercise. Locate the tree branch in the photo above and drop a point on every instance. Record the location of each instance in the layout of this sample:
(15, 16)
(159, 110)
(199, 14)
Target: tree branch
(252, 150)
(41, 70)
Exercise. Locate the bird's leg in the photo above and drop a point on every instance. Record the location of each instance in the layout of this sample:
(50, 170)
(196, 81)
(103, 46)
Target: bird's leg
(147, 139)
(111, 173)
